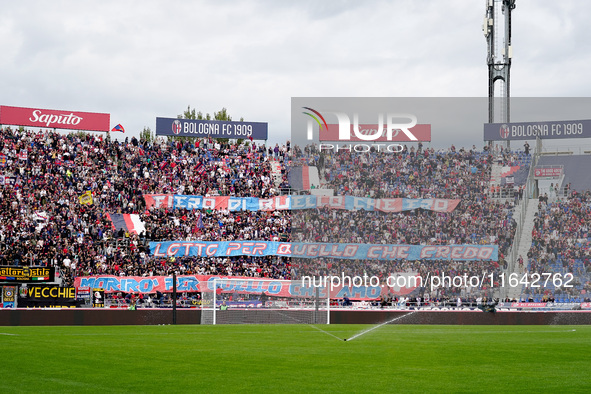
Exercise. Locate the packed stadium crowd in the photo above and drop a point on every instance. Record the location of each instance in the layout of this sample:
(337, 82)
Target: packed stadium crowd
(413, 173)
(419, 269)
(462, 174)
(561, 243)
(43, 222)
(216, 225)
(484, 223)
(45, 173)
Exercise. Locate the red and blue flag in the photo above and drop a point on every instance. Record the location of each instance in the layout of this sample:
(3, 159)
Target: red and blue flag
(118, 128)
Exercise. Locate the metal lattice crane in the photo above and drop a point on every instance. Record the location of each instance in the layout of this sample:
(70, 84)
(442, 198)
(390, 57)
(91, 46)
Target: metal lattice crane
(497, 30)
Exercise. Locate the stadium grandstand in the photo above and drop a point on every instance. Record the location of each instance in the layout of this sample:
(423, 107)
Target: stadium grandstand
(46, 221)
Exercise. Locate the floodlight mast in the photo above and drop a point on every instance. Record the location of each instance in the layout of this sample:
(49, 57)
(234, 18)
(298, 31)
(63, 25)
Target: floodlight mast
(497, 31)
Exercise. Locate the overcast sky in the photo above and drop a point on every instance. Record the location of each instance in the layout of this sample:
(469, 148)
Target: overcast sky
(141, 59)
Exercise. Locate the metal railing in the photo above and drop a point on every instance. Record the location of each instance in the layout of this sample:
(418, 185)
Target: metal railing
(566, 149)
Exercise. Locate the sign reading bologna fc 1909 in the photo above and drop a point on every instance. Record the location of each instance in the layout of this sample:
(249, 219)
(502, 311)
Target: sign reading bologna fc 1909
(54, 119)
(559, 129)
(211, 128)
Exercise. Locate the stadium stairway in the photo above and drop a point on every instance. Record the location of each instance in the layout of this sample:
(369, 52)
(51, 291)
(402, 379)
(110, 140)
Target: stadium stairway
(314, 177)
(525, 238)
(276, 172)
(495, 174)
(495, 177)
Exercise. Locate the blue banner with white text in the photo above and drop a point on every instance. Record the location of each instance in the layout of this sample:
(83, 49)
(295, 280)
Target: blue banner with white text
(326, 250)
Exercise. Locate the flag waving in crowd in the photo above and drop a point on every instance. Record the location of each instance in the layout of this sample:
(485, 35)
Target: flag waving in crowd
(127, 222)
(200, 168)
(85, 198)
(118, 128)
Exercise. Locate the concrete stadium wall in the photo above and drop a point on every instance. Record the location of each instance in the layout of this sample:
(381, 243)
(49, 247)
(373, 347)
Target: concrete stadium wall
(75, 317)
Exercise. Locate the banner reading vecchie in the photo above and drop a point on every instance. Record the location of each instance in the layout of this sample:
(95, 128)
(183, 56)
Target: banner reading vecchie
(54, 119)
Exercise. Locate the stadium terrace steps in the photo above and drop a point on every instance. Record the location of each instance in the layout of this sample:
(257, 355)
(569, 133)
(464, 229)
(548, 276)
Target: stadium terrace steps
(276, 172)
(314, 177)
(495, 174)
(525, 238)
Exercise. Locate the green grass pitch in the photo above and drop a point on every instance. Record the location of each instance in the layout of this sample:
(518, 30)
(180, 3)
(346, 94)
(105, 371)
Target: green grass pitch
(296, 358)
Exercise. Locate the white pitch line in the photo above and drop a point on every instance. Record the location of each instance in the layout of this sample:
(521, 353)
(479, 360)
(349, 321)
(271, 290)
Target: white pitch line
(430, 332)
(326, 332)
(6, 333)
(182, 333)
(378, 326)
(311, 325)
(517, 332)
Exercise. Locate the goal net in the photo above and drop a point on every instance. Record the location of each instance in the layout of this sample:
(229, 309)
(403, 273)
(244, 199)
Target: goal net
(260, 301)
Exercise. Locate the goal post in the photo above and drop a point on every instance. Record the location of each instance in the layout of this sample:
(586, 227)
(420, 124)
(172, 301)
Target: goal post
(263, 301)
